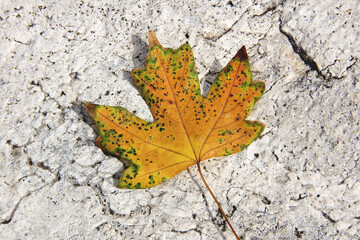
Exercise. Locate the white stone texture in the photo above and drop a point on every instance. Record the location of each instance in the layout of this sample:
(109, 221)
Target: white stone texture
(299, 180)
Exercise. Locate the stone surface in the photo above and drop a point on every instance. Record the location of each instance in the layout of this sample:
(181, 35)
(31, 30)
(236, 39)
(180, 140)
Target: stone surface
(299, 180)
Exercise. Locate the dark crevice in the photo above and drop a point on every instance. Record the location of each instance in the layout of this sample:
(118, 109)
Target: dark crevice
(328, 217)
(308, 60)
(299, 233)
(351, 65)
(275, 155)
(270, 9)
(299, 197)
(104, 201)
(43, 166)
(266, 201)
(186, 231)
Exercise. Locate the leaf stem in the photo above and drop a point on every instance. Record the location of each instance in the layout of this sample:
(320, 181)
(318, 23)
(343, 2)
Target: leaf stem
(217, 202)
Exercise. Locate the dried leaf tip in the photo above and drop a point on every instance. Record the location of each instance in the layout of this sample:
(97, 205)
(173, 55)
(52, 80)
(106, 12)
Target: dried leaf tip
(241, 55)
(153, 40)
(90, 108)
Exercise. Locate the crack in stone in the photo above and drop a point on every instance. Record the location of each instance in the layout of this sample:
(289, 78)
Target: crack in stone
(186, 231)
(330, 76)
(56, 178)
(39, 85)
(276, 156)
(226, 31)
(299, 233)
(104, 202)
(229, 29)
(8, 219)
(353, 64)
(300, 197)
(328, 217)
(272, 85)
(40, 165)
(44, 167)
(270, 9)
(266, 201)
(308, 60)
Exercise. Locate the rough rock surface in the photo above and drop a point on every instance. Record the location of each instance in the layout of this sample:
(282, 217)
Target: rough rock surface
(299, 180)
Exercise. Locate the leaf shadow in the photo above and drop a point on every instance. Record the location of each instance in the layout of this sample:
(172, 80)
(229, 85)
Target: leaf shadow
(80, 110)
(140, 49)
(210, 77)
(206, 203)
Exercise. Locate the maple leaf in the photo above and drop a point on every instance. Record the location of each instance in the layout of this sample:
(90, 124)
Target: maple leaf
(187, 128)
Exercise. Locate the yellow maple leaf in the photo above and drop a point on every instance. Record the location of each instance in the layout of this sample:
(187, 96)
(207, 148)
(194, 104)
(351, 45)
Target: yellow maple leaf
(187, 127)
